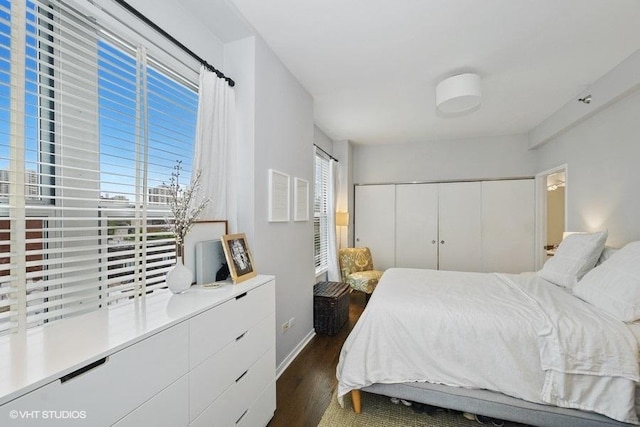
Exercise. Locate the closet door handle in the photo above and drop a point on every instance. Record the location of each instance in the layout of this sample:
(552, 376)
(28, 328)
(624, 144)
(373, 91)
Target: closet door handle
(442, 241)
(433, 242)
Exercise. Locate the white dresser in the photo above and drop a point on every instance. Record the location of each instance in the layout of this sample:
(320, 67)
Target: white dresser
(203, 358)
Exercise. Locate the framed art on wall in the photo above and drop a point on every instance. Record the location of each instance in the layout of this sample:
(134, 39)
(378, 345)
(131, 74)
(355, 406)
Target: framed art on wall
(238, 255)
(300, 199)
(278, 196)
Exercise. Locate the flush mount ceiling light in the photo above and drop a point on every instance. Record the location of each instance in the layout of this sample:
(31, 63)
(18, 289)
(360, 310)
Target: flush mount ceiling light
(459, 93)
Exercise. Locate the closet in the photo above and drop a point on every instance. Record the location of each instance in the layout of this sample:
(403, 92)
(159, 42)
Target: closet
(374, 222)
(464, 226)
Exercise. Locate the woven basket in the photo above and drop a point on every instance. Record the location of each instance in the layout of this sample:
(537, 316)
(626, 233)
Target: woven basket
(330, 307)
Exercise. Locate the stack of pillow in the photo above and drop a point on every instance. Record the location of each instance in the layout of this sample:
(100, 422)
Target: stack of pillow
(612, 285)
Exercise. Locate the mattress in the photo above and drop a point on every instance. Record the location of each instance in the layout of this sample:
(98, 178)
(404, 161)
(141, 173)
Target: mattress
(537, 331)
(498, 405)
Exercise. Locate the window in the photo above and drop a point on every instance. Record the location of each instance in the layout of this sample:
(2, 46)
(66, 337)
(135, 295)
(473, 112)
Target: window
(91, 126)
(320, 213)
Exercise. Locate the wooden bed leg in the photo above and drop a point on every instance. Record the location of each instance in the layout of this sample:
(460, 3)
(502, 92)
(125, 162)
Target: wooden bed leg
(355, 399)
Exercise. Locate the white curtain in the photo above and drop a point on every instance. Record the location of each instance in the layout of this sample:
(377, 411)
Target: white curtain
(333, 272)
(214, 153)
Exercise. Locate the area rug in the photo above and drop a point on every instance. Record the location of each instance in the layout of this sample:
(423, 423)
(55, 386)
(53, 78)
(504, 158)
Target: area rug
(378, 411)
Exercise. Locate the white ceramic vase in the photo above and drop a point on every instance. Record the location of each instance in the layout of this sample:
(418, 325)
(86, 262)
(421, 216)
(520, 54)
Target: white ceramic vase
(179, 278)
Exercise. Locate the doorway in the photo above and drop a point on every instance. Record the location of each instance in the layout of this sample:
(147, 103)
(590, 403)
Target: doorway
(551, 212)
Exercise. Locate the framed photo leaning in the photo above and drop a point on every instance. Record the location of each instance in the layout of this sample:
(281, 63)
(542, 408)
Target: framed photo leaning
(238, 255)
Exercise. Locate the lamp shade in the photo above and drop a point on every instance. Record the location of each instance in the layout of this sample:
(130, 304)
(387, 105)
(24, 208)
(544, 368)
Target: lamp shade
(342, 219)
(458, 93)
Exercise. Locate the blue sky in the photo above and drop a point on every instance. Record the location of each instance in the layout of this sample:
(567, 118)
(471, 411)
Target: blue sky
(31, 123)
(171, 116)
(171, 124)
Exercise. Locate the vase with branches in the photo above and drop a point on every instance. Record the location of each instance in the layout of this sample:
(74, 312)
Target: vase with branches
(185, 209)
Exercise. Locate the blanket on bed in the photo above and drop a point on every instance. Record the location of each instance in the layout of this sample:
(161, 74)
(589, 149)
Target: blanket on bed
(516, 334)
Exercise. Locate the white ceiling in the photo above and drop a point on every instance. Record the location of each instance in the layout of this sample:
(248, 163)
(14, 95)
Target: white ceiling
(372, 65)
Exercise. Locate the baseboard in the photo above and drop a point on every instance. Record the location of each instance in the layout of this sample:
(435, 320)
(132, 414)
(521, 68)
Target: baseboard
(294, 353)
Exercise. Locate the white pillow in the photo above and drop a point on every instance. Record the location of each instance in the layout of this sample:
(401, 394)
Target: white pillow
(614, 286)
(606, 254)
(576, 255)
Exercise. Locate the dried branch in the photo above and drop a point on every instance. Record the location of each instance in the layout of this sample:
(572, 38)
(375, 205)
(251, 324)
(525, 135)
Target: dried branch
(180, 201)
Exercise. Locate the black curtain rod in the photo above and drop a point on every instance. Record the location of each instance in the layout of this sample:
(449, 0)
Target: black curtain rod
(327, 154)
(174, 41)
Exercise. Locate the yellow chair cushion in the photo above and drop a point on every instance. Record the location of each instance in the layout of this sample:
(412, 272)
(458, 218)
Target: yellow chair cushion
(364, 281)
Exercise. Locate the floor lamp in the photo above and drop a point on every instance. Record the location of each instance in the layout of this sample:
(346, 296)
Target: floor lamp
(342, 220)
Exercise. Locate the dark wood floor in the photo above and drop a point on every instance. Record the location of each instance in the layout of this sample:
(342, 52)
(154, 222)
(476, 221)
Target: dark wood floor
(305, 388)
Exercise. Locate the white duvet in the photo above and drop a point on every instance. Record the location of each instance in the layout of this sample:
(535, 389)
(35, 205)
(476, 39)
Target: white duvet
(516, 334)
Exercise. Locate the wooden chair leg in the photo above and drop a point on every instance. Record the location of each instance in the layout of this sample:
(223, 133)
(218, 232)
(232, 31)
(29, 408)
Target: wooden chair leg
(357, 403)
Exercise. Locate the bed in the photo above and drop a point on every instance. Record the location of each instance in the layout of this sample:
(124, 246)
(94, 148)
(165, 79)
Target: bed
(515, 347)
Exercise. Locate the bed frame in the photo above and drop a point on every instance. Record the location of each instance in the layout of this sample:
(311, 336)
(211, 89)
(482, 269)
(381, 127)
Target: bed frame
(488, 403)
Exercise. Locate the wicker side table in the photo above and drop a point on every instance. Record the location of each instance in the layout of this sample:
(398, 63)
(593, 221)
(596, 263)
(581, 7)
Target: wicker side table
(330, 306)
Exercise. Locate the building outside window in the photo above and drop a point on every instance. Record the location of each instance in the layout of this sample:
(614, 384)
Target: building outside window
(92, 124)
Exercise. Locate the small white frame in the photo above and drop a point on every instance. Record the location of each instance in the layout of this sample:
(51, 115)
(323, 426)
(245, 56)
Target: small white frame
(279, 196)
(300, 199)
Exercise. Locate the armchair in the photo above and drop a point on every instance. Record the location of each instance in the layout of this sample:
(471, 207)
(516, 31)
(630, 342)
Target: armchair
(356, 268)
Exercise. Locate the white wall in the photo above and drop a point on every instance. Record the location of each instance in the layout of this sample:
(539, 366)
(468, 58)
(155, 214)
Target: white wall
(239, 58)
(322, 140)
(478, 158)
(607, 90)
(602, 154)
(283, 141)
(275, 131)
(181, 24)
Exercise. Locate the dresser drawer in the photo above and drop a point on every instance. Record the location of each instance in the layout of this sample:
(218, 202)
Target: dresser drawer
(260, 376)
(261, 412)
(169, 408)
(112, 389)
(213, 376)
(237, 401)
(215, 328)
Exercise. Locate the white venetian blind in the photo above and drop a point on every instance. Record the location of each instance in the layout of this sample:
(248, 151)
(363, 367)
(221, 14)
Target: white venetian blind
(91, 127)
(320, 213)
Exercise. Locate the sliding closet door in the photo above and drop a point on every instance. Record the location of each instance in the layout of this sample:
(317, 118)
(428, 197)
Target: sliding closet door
(460, 225)
(417, 226)
(374, 222)
(508, 231)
